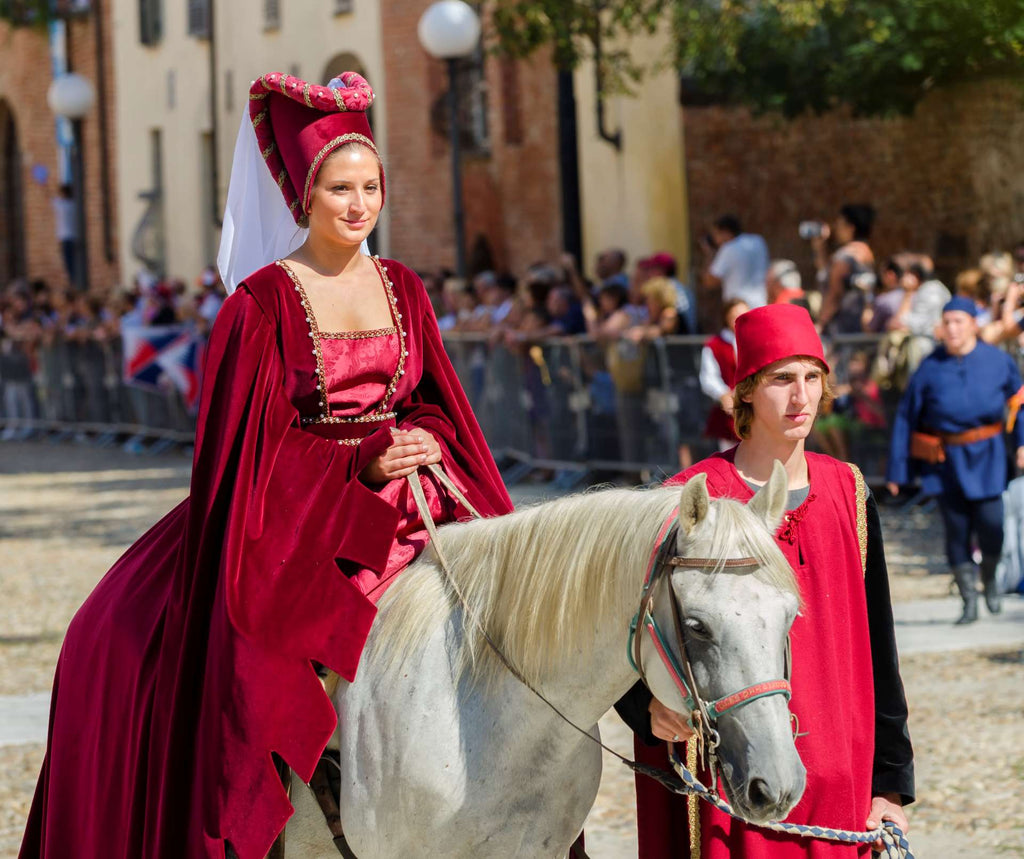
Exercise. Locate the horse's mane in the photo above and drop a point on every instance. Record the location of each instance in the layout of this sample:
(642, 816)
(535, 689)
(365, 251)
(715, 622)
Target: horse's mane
(539, 579)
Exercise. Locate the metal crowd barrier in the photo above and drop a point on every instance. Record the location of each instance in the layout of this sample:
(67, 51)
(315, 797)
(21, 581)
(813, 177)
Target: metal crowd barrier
(77, 391)
(579, 409)
(570, 407)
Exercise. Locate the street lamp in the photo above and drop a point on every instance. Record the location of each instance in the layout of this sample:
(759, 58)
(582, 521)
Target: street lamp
(450, 30)
(71, 97)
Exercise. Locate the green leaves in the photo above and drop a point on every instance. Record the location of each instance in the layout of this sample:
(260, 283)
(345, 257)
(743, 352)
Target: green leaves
(878, 56)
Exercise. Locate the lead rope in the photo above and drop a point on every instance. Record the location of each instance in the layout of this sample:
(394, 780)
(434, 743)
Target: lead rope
(683, 782)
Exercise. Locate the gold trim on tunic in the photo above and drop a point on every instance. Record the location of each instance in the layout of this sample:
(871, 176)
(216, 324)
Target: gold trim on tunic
(862, 515)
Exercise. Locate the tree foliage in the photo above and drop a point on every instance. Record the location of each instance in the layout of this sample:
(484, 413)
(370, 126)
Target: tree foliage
(879, 56)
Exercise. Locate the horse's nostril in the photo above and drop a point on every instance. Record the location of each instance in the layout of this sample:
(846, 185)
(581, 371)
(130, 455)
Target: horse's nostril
(760, 794)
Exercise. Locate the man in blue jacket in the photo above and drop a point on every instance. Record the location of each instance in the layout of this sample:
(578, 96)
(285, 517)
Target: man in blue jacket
(950, 422)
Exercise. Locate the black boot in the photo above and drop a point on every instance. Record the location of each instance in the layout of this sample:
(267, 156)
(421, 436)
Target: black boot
(988, 580)
(966, 577)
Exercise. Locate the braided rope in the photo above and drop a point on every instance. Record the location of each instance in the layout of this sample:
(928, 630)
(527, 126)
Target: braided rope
(894, 842)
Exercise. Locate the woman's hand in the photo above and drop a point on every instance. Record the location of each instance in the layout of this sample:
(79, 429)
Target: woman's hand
(886, 807)
(408, 451)
(1020, 458)
(727, 403)
(667, 724)
(894, 488)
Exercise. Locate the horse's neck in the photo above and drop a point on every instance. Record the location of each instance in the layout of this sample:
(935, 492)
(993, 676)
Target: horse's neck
(585, 683)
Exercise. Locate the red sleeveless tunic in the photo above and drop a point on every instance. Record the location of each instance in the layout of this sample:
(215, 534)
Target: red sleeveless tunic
(833, 694)
(720, 423)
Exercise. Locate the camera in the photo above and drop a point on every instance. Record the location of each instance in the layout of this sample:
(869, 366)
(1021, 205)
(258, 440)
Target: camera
(811, 230)
(1019, 277)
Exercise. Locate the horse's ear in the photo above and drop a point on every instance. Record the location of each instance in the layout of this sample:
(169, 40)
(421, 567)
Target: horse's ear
(693, 504)
(769, 503)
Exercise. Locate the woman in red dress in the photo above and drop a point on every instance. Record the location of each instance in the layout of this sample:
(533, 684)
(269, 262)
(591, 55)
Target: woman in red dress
(326, 383)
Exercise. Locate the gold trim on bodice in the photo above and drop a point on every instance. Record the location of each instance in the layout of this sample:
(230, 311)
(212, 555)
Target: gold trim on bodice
(383, 411)
(357, 335)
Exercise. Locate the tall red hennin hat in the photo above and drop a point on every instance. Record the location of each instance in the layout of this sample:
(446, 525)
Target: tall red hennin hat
(298, 124)
(769, 334)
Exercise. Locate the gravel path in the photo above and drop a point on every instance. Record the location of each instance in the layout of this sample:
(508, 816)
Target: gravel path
(67, 512)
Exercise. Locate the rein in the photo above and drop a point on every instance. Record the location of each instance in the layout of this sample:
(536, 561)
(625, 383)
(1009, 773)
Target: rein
(704, 713)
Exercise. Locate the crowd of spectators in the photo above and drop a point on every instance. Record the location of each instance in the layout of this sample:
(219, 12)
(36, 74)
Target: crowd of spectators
(60, 355)
(623, 308)
(882, 317)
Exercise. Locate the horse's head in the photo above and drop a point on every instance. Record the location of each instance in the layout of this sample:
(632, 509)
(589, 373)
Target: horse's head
(735, 621)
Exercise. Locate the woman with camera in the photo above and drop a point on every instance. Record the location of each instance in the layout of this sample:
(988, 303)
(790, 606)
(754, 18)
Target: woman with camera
(950, 422)
(847, 279)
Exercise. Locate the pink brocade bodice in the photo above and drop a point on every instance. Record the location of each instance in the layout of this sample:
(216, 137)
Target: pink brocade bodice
(358, 367)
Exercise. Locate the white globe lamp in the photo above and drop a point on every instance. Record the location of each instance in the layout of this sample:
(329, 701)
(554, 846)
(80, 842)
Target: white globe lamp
(449, 29)
(71, 96)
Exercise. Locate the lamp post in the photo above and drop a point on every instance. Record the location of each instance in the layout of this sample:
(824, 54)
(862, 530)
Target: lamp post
(450, 30)
(71, 97)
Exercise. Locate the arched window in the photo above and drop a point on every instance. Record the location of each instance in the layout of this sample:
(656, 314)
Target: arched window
(12, 208)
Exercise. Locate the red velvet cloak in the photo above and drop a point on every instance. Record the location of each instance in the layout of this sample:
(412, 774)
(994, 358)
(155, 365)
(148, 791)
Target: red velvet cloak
(833, 688)
(190, 661)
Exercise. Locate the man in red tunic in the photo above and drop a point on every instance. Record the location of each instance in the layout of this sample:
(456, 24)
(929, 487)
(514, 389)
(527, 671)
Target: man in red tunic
(851, 713)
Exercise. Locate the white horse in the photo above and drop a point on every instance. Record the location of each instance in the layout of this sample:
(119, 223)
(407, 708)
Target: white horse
(445, 753)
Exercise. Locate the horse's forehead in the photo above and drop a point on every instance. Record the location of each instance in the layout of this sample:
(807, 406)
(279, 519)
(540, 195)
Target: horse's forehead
(735, 592)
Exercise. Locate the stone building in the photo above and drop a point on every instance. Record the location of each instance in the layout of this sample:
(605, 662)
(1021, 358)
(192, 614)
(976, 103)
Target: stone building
(183, 89)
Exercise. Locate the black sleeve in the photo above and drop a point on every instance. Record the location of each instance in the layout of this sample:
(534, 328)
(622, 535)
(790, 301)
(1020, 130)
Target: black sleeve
(893, 769)
(633, 707)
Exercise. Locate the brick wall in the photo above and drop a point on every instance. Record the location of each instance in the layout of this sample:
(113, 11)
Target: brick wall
(946, 181)
(24, 79)
(511, 196)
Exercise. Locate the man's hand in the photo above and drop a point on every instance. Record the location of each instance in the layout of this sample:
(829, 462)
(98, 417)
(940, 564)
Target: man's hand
(667, 724)
(408, 451)
(894, 488)
(886, 807)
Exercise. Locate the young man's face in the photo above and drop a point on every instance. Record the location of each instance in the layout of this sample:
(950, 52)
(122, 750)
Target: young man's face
(786, 403)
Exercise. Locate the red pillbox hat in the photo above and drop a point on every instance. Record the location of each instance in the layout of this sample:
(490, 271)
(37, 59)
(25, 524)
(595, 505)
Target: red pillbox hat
(298, 124)
(769, 334)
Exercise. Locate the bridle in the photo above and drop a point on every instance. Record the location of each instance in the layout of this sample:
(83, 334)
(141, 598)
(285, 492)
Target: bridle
(703, 714)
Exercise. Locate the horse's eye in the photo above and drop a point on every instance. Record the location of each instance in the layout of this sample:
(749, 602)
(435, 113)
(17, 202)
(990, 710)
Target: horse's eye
(696, 628)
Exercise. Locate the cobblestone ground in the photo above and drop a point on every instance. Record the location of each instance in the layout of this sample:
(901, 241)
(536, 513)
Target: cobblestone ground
(67, 512)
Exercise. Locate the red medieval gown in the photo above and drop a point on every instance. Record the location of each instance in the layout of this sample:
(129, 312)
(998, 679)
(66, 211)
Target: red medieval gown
(190, 661)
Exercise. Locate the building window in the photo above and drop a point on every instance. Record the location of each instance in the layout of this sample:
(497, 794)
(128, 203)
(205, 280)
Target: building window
(149, 241)
(199, 18)
(471, 88)
(271, 14)
(472, 85)
(151, 21)
(344, 7)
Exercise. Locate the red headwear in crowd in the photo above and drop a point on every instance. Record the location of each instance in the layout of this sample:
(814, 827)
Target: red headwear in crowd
(768, 334)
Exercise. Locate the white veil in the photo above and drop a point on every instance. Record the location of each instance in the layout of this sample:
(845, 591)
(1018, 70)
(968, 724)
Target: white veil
(258, 227)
